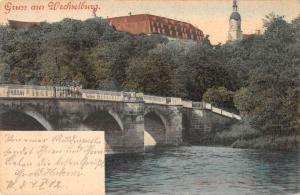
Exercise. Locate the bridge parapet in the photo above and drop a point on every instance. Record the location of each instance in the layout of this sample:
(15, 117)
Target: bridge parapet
(151, 99)
(31, 91)
(111, 95)
(132, 97)
(187, 104)
(208, 106)
(201, 105)
(102, 95)
(174, 101)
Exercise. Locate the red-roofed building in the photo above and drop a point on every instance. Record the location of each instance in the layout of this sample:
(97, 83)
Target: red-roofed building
(15, 24)
(150, 24)
(140, 24)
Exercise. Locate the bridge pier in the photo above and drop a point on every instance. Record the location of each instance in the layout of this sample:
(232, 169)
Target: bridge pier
(122, 122)
(133, 136)
(164, 123)
(174, 132)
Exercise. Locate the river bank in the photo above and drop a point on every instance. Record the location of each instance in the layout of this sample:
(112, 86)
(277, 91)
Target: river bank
(243, 136)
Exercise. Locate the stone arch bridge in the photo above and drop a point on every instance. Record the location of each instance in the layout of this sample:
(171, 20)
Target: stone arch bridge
(124, 116)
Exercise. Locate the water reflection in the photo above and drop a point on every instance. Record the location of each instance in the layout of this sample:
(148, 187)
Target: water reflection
(204, 170)
(281, 170)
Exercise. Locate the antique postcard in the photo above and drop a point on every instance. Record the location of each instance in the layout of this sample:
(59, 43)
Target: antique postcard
(155, 97)
(52, 162)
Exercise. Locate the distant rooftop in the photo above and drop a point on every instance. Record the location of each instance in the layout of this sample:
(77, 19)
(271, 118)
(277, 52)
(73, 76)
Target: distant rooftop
(16, 24)
(152, 24)
(151, 15)
(140, 24)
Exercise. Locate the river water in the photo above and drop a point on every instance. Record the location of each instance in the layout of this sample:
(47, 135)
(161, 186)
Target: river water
(197, 170)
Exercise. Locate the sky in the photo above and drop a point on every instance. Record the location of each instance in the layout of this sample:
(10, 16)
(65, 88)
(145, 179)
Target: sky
(211, 16)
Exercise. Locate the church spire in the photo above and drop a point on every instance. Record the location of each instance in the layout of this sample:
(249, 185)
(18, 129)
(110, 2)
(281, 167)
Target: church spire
(235, 7)
(235, 31)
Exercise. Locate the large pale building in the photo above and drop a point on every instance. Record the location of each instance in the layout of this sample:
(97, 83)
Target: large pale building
(235, 30)
(151, 24)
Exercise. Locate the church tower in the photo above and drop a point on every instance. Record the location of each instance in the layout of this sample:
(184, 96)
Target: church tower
(235, 32)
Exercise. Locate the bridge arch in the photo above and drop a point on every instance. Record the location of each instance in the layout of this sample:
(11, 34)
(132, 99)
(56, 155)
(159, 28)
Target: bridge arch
(109, 122)
(96, 120)
(156, 128)
(27, 119)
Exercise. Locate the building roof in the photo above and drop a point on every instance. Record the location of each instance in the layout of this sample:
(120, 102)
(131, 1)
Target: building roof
(152, 24)
(140, 24)
(149, 16)
(235, 16)
(15, 24)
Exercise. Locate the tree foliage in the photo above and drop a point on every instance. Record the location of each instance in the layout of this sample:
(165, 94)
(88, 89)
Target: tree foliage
(270, 98)
(219, 97)
(262, 70)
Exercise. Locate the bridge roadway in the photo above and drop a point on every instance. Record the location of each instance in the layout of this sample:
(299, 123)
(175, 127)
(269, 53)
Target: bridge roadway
(124, 116)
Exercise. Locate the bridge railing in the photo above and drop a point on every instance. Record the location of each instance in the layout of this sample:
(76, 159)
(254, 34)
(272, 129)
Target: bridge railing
(151, 99)
(132, 96)
(174, 101)
(31, 91)
(101, 95)
(206, 106)
(187, 104)
(220, 111)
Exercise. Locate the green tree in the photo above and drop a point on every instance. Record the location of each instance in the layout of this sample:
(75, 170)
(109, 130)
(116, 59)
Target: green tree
(270, 97)
(219, 97)
(149, 74)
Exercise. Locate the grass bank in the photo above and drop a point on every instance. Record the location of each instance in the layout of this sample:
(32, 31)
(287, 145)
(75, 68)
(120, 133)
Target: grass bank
(242, 135)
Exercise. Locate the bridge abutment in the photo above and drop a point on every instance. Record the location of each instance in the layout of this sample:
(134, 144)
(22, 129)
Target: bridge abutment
(203, 122)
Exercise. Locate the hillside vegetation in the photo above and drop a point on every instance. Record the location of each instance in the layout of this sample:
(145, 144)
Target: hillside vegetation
(257, 77)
